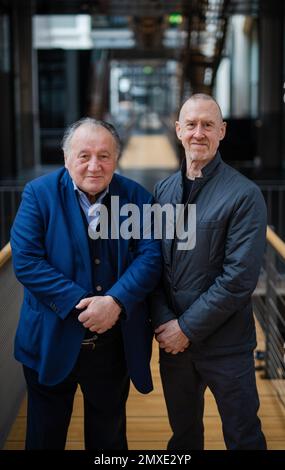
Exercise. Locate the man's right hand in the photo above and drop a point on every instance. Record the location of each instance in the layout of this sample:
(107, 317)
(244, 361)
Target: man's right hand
(171, 338)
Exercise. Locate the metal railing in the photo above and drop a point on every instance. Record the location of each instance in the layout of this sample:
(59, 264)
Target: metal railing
(10, 198)
(269, 308)
(12, 381)
(274, 195)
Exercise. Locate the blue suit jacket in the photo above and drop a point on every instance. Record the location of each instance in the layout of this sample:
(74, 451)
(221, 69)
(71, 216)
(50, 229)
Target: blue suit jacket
(52, 260)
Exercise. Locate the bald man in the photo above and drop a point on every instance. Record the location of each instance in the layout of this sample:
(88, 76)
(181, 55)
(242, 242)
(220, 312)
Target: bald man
(202, 311)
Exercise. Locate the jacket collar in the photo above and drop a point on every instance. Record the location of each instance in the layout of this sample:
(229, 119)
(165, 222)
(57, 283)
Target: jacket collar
(208, 170)
(207, 173)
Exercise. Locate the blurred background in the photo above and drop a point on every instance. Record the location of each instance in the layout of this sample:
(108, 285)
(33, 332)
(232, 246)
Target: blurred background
(134, 63)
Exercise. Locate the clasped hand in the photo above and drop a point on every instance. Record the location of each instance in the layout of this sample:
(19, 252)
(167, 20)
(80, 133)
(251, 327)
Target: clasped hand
(100, 314)
(171, 338)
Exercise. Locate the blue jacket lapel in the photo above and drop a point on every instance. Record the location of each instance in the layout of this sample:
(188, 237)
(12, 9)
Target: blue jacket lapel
(116, 189)
(76, 226)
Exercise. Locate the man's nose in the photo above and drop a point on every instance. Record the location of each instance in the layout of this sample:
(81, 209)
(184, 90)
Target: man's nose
(93, 164)
(199, 131)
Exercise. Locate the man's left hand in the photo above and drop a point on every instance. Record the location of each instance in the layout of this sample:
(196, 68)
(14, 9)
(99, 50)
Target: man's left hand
(100, 314)
(171, 337)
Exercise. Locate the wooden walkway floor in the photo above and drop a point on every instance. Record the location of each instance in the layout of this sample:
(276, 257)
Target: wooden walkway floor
(152, 151)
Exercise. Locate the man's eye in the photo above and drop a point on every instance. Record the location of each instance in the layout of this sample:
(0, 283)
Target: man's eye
(83, 157)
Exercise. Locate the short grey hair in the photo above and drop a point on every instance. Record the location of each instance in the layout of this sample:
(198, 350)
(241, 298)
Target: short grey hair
(69, 132)
(202, 96)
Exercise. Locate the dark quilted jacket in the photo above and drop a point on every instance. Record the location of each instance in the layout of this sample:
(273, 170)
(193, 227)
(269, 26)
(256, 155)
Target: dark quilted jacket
(209, 287)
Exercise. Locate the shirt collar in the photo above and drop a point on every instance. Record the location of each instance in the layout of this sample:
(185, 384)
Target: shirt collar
(83, 195)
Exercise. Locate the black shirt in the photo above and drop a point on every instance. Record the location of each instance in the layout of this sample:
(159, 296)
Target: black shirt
(187, 187)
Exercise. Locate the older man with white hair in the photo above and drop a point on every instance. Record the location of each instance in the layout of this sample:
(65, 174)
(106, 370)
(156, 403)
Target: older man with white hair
(84, 318)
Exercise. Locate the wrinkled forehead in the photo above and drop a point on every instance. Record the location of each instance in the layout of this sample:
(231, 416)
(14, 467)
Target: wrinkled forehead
(200, 109)
(91, 132)
(90, 136)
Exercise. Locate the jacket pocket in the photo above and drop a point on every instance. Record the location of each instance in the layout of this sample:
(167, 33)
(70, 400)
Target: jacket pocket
(29, 330)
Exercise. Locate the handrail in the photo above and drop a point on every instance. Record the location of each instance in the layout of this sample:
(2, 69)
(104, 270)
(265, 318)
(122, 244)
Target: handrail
(5, 254)
(276, 242)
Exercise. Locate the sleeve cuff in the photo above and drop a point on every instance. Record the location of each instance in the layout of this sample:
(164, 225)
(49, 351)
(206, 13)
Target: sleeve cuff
(185, 329)
(77, 311)
(123, 312)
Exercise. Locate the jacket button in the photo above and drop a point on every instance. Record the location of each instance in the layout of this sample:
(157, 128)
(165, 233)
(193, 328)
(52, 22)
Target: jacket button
(97, 261)
(98, 288)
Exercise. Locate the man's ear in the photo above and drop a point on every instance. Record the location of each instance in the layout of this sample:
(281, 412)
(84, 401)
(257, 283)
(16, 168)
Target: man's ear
(178, 130)
(223, 130)
(65, 161)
